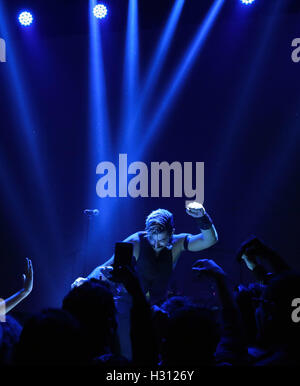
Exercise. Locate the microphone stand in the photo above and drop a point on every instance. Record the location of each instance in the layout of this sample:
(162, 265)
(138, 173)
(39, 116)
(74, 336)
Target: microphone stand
(90, 214)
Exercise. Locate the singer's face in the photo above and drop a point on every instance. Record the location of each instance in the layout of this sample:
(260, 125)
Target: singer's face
(158, 241)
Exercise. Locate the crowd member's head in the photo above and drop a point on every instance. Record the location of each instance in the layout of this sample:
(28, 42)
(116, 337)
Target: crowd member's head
(52, 336)
(159, 228)
(274, 313)
(191, 338)
(92, 304)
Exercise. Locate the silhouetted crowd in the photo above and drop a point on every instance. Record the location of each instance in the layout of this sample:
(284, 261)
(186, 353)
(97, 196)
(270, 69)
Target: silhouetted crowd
(253, 325)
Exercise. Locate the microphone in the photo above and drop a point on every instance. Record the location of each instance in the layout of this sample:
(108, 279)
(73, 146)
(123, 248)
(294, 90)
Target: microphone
(91, 212)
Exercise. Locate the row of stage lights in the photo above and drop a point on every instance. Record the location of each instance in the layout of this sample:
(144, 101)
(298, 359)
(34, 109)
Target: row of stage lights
(100, 11)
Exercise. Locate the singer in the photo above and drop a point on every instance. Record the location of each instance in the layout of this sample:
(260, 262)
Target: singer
(157, 249)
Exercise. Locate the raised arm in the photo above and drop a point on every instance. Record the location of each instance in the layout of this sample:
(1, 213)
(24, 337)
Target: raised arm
(208, 235)
(16, 298)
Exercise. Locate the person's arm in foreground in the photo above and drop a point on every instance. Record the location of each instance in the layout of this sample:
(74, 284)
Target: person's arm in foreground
(144, 350)
(100, 271)
(16, 298)
(231, 347)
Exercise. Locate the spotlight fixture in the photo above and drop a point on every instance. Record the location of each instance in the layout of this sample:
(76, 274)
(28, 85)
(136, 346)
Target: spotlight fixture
(100, 11)
(247, 2)
(25, 18)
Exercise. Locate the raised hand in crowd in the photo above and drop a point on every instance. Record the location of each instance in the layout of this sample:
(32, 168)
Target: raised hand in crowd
(16, 298)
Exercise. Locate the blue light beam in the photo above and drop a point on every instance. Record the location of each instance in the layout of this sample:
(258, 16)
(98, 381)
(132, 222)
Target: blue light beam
(131, 69)
(156, 64)
(29, 128)
(245, 95)
(182, 71)
(99, 126)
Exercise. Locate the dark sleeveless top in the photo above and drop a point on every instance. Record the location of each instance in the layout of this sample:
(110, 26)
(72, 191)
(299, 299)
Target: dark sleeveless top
(154, 270)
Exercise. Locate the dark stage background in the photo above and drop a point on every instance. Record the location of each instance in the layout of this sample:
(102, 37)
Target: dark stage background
(237, 111)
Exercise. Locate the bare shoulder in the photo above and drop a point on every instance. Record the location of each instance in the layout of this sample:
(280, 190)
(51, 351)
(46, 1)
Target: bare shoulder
(179, 238)
(134, 238)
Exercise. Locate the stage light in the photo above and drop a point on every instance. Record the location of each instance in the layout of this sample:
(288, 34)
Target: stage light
(25, 18)
(247, 2)
(100, 11)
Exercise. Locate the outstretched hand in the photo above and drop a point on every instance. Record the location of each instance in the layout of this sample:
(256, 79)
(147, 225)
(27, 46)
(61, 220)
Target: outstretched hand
(106, 273)
(208, 267)
(28, 277)
(78, 282)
